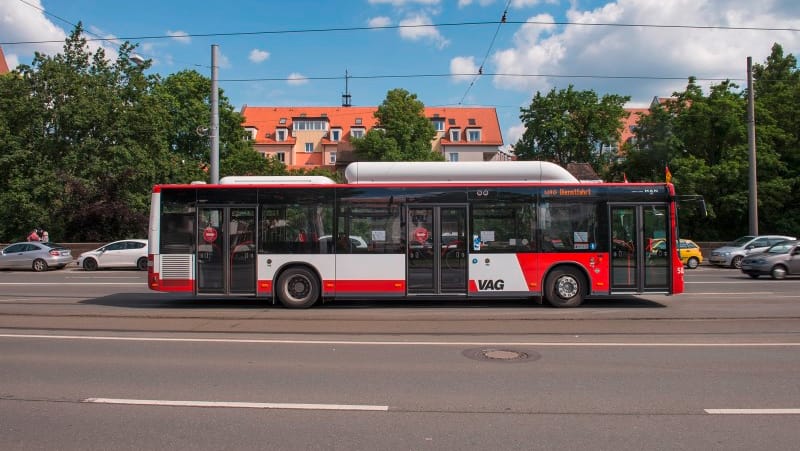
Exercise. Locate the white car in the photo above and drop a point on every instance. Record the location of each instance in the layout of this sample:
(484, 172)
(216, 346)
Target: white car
(119, 254)
(732, 253)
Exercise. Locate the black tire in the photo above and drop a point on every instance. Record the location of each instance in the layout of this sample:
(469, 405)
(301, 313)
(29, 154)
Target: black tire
(778, 272)
(693, 263)
(297, 288)
(89, 264)
(141, 264)
(737, 262)
(565, 288)
(753, 276)
(39, 265)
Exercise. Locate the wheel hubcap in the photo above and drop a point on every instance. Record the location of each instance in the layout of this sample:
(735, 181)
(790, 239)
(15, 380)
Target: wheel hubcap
(299, 287)
(778, 273)
(567, 287)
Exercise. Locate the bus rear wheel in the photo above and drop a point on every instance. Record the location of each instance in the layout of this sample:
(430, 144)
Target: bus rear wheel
(297, 288)
(565, 288)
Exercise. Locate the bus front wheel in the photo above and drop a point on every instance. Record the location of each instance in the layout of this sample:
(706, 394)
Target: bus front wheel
(297, 288)
(565, 288)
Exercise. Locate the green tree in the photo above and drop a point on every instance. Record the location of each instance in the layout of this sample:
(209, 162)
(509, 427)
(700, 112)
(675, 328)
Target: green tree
(186, 95)
(567, 126)
(246, 161)
(402, 133)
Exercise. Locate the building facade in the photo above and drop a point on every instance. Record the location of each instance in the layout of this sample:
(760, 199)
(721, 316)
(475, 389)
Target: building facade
(312, 137)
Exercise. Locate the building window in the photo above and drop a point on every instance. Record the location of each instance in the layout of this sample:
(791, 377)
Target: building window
(453, 156)
(332, 158)
(357, 132)
(310, 124)
(438, 124)
(309, 147)
(336, 134)
(280, 134)
(280, 156)
(282, 121)
(473, 135)
(358, 121)
(471, 121)
(455, 135)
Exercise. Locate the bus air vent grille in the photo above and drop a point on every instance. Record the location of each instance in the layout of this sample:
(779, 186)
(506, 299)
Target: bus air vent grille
(176, 266)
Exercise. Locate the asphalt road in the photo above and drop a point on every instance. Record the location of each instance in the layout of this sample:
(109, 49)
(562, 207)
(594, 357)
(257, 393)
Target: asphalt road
(95, 361)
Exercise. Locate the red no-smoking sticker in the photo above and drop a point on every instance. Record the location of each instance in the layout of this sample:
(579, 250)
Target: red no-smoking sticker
(421, 234)
(210, 234)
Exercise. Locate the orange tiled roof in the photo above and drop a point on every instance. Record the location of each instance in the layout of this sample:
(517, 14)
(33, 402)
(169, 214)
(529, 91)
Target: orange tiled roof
(267, 119)
(3, 64)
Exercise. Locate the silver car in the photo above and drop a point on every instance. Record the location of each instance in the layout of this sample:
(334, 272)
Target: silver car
(35, 255)
(119, 254)
(778, 261)
(734, 252)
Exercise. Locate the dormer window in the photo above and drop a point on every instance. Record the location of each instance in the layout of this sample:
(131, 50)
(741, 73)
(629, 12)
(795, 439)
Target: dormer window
(358, 121)
(455, 134)
(336, 134)
(474, 135)
(471, 121)
(282, 121)
(357, 132)
(438, 124)
(280, 134)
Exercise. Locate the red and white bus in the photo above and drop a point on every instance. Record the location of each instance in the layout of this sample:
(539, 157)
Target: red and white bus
(415, 230)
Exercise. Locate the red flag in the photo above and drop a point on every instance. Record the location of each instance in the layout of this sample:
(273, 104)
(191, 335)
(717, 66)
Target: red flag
(668, 175)
(624, 178)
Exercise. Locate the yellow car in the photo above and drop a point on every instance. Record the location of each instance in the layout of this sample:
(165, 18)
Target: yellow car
(689, 252)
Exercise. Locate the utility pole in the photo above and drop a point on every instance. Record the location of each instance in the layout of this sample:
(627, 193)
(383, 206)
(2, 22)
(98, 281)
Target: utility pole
(214, 131)
(751, 144)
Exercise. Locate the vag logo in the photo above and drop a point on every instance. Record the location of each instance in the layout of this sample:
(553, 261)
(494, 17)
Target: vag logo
(491, 285)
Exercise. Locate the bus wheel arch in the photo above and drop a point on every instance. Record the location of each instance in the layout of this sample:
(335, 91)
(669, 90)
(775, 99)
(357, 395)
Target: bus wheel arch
(566, 286)
(298, 286)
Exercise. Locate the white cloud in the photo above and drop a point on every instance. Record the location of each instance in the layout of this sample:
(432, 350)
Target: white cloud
(463, 65)
(27, 22)
(465, 3)
(258, 56)
(645, 51)
(417, 31)
(12, 61)
(519, 4)
(296, 79)
(180, 36)
(512, 135)
(380, 21)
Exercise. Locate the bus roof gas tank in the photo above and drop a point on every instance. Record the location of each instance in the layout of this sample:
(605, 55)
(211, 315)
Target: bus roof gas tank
(366, 172)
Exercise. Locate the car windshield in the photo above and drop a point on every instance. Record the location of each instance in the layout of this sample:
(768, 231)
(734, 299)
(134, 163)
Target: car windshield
(780, 248)
(741, 241)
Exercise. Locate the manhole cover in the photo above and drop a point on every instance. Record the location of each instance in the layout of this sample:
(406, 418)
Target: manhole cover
(499, 355)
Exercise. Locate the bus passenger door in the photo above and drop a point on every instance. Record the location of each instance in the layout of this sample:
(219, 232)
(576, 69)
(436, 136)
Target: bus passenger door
(436, 250)
(635, 268)
(226, 251)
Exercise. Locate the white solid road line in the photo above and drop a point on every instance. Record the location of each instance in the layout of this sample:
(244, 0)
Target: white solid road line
(753, 411)
(402, 343)
(236, 405)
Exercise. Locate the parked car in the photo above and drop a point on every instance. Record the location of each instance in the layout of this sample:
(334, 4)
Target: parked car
(356, 242)
(119, 254)
(732, 253)
(35, 255)
(688, 250)
(778, 261)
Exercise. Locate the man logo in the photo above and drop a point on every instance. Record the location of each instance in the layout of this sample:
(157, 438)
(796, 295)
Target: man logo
(491, 285)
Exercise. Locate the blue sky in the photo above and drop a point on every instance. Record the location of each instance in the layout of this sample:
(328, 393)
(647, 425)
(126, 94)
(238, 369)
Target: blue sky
(639, 61)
